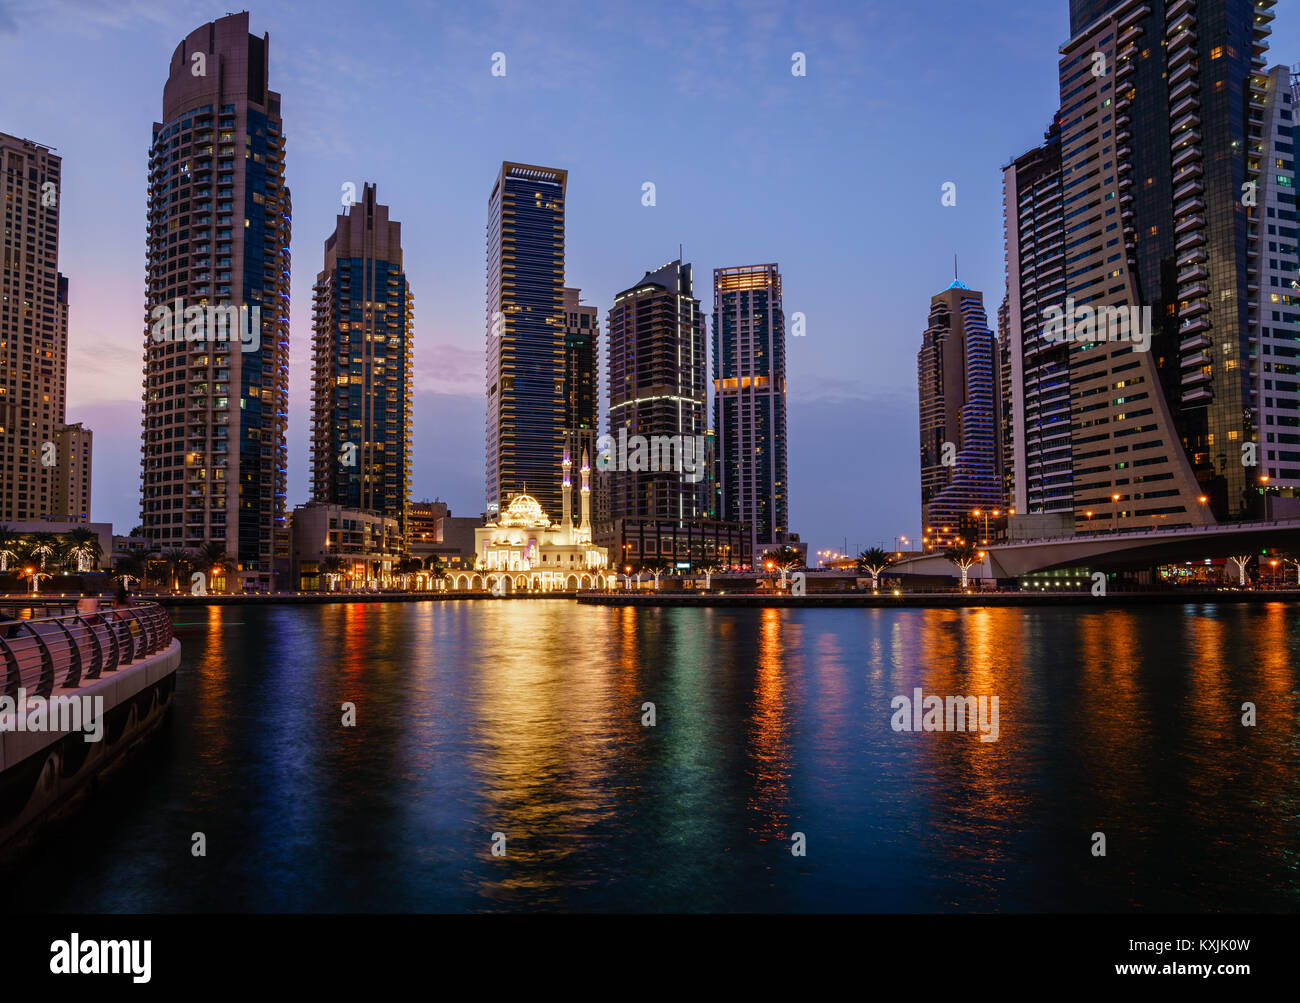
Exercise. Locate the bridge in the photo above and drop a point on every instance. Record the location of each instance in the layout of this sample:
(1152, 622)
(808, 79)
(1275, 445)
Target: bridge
(77, 690)
(1117, 551)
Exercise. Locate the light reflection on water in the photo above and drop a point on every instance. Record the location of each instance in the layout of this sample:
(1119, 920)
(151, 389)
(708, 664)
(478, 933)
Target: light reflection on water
(524, 718)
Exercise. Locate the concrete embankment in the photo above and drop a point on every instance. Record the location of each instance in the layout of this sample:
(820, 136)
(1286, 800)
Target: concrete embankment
(940, 600)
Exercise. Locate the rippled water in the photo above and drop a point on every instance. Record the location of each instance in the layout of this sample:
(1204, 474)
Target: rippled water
(524, 718)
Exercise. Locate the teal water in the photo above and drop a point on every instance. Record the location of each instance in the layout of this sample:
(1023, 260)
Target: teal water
(525, 719)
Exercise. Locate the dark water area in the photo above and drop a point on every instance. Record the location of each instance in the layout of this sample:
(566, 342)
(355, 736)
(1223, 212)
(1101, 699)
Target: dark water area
(525, 719)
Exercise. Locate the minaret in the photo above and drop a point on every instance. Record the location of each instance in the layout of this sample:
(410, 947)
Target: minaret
(566, 495)
(584, 531)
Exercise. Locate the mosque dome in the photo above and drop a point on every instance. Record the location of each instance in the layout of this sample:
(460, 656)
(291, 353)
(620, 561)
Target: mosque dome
(525, 511)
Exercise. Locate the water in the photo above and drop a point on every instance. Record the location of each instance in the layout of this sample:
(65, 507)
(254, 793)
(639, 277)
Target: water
(524, 718)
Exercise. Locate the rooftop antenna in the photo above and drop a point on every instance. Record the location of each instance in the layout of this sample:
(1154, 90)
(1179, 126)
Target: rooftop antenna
(954, 267)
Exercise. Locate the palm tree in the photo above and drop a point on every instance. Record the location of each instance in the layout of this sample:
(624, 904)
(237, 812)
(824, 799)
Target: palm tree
(436, 568)
(331, 567)
(963, 555)
(34, 575)
(133, 567)
(783, 558)
(1241, 563)
(655, 566)
(406, 565)
(786, 558)
(43, 546)
(873, 561)
(83, 546)
(710, 566)
(177, 565)
(10, 544)
(213, 555)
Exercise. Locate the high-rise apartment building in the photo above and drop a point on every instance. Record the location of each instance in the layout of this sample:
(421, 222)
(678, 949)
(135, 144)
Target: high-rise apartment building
(957, 379)
(71, 498)
(216, 365)
(657, 390)
(1162, 128)
(362, 325)
(581, 379)
(525, 337)
(33, 331)
(749, 401)
(1039, 470)
(1275, 311)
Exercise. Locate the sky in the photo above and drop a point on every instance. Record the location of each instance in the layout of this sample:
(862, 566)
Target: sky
(836, 175)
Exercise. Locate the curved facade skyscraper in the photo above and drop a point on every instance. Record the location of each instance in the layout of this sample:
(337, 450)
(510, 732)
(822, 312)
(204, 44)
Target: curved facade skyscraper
(216, 357)
(958, 384)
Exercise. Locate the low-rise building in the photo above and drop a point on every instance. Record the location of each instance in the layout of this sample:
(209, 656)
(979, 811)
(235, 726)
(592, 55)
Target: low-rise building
(367, 547)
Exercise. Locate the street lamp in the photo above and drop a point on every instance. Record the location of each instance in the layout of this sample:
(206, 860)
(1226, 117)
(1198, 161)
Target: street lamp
(1115, 513)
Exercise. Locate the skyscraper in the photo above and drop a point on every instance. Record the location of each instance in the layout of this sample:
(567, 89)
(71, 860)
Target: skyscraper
(1162, 136)
(581, 376)
(657, 373)
(33, 332)
(1275, 311)
(216, 363)
(957, 378)
(749, 413)
(525, 337)
(71, 496)
(1038, 456)
(361, 371)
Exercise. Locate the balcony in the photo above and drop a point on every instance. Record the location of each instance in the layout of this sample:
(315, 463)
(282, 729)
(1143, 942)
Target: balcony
(1195, 222)
(1188, 87)
(1197, 272)
(1199, 340)
(1181, 75)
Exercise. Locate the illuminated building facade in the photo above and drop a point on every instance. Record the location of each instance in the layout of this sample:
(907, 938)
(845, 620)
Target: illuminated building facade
(957, 378)
(525, 335)
(214, 453)
(362, 348)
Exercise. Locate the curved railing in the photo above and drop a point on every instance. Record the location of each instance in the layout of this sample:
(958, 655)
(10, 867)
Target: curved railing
(47, 644)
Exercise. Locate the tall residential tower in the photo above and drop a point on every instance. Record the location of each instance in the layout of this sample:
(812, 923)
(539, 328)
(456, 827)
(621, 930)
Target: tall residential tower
(581, 379)
(657, 373)
(216, 363)
(749, 402)
(525, 337)
(361, 369)
(33, 340)
(957, 378)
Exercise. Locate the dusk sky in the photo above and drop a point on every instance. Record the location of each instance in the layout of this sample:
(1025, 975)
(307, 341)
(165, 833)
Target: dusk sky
(835, 176)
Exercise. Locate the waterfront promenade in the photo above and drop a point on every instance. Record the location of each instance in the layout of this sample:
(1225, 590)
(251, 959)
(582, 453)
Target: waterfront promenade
(79, 691)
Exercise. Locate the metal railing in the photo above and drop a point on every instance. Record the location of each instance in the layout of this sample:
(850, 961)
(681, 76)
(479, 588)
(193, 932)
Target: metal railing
(49, 644)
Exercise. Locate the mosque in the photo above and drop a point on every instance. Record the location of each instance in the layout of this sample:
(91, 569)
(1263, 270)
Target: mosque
(523, 551)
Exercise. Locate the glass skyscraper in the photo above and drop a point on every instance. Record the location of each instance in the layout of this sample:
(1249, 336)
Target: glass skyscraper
(657, 387)
(1167, 113)
(749, 401)
(215, 407)
(525, 337)
(362, 354)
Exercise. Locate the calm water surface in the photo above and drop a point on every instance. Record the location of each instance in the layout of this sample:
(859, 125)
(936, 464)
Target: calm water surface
(524, 718)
